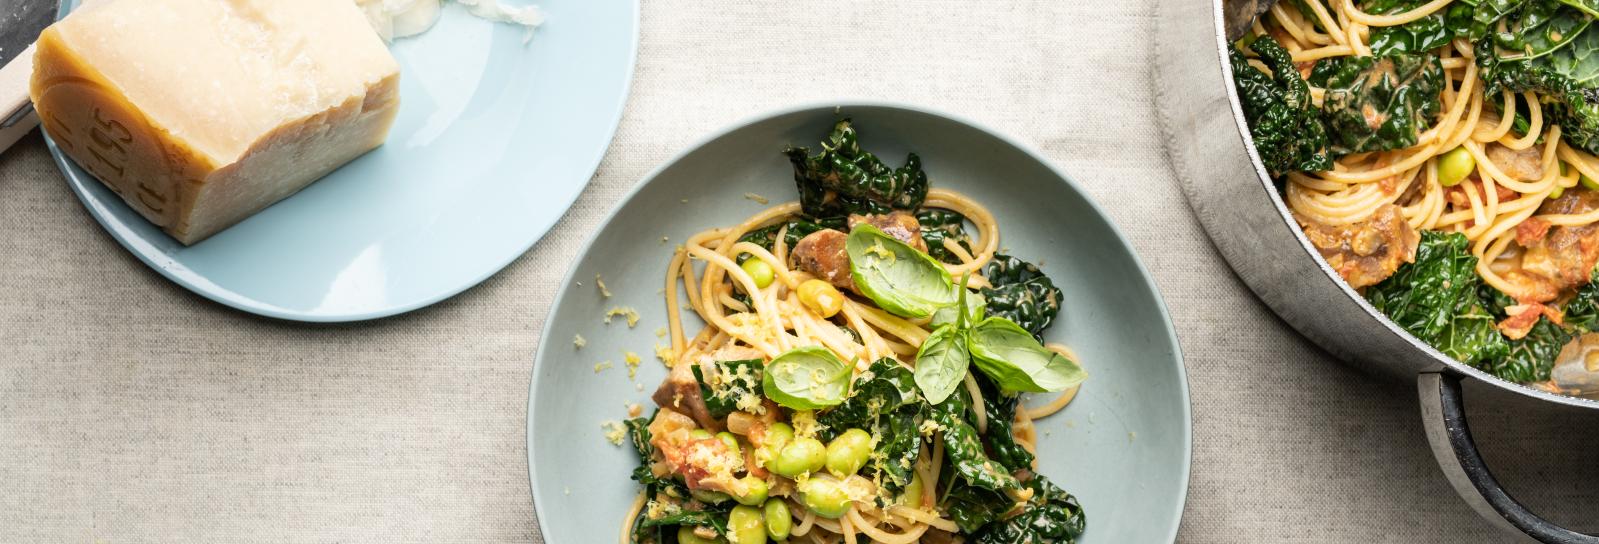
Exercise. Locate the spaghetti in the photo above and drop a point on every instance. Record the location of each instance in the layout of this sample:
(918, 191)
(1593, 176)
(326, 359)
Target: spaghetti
(764, 311)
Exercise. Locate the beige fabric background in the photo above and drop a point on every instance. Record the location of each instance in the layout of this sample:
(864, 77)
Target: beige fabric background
(134, 411)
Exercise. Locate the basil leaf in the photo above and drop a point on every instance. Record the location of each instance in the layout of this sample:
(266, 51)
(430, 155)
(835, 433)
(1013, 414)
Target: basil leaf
(975, 311)
(941, 363)
(807, 378)
(896, 276)
(733, 382)
(1017, 362)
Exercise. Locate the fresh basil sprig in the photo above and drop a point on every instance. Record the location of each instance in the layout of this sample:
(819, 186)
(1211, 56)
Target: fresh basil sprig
(1017, 362)
(806, 378)
(945, 355)
(896, 276)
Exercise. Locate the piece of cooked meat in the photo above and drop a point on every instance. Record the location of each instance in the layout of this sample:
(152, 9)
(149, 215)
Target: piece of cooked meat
(704, 463)
(1562, 258)
(1524, 165)
(822, 254)
(1367, 252)
(681, 392)
(899, 224)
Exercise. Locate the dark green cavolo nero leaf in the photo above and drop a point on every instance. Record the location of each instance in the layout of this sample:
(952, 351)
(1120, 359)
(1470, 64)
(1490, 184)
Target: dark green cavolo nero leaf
(884, 403)
(1021, 293)
(733, 381)
(1052, 516)
(845, 179)
(964, 448)
(1565, 79)
(713, 516)
(1378, 103)
(940, 225)
(1582, 311)
(1284, 123)
(1001, 412)
(1435, 299)
(1419, 36)
(1531, 358)
(972, 507)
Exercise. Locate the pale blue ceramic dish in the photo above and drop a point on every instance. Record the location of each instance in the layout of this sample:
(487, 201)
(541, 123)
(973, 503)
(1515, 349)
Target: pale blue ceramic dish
(494, 141)
(1122, 446)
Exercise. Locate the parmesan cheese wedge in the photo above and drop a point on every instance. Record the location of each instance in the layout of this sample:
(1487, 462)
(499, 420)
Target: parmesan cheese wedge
(200, 113)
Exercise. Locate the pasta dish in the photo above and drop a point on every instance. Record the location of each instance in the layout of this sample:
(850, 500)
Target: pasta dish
(858, 375)
(1440, 156)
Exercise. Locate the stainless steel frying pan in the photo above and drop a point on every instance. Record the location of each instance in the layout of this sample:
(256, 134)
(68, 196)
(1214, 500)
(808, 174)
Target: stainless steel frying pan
(1239, 206)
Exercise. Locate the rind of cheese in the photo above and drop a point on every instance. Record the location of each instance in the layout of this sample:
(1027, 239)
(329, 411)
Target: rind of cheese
(200, 113)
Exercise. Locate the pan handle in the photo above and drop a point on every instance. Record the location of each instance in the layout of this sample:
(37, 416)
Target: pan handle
(1443, 410)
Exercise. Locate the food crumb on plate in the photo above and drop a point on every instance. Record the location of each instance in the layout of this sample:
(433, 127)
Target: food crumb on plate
(757, 198)
(624, 311)
(631, 360)
(664, 240)
(1131, 436)
(634, 410)
(614, 431)
(578, 341)
(638, 387)
(602, 365)
(601, 283)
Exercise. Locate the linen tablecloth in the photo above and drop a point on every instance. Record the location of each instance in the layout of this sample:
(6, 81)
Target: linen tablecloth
(134, 411)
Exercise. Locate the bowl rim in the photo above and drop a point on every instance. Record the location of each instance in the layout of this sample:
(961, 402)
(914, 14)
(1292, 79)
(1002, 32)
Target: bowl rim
(838, 105)
(1264, 178)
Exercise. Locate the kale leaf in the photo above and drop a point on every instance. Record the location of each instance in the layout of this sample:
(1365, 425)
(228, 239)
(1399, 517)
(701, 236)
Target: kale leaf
(1021, 293)
(1582, 311)
(964, 448)
(1001, 412)
(1378, 103)
(884, 403)
(1552, 50)
(734, 381)
(939, 225)
(972, 507)
(1531, 358)
(1420, 36)
(1286, 127)
(1435, 299)
(712, 515)
(1052, 516)
(844, 179)
(797, 229)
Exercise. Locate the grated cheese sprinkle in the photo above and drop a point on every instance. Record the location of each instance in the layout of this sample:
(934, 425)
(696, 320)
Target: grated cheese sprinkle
(624, 311)
(614, 431)
(578, 341)
(602, 365)
(631, 360)
(757, 198)
(600, 282)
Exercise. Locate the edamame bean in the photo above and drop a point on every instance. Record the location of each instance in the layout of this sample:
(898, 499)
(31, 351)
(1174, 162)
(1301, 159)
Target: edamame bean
(778, 520)
(1454, 166)
(800, 456)
(1589, 183)
(825, 496)
(731, 442)
(710, 497)
(759, 271)
(746, 526)
(699, 434)
(821, 297)
(685, 535)
(755, 493)
(848, 452)
(772, 441)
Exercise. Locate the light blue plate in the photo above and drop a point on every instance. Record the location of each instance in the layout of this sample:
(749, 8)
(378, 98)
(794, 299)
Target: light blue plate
(1122, 446)
(494, 141)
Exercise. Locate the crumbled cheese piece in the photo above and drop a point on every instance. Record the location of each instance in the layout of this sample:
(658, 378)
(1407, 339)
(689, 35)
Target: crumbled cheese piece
(601, 283)
(631, 360)
(602, 365)
(664, 240)
(578, 341)
(638, 387)
(929, 427)
(660, 333)
(614, 431)
(624, 311)
(659, 509)
(634, 410)
(804, 423)
(757, 198)
(880, 251)
(528, 17)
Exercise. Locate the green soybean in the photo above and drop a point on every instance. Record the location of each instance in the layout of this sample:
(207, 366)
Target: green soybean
(776, 437)
(731, 441)
(709, 497)
(759, 270)
(700, 434)
(778, 520)
(848, 452)
(685, 535)
(825, 496)
(756, 493)
(800, 456)
(1454, 166)
(746, 526)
